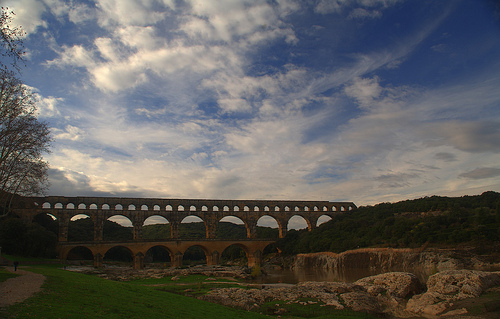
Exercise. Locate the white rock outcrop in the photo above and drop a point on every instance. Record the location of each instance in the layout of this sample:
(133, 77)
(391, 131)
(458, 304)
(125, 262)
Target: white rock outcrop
(446, 287)
(396, 293)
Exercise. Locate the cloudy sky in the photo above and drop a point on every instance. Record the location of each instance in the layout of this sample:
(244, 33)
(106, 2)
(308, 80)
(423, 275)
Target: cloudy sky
(361, 100)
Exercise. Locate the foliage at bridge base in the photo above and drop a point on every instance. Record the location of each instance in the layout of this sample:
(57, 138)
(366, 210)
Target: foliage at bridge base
(435, 221)
(33, 239)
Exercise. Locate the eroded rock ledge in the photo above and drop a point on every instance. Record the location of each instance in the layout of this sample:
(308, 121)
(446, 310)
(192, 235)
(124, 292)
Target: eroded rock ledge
(404, 258)
(399, 294)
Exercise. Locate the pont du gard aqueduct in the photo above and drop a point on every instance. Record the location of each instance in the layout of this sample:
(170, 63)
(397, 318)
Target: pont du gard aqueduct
(137, 210)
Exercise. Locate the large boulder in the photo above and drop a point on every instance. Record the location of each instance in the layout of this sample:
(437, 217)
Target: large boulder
(460, 284)
(447, 286)
(427, 304)
(395, 284)
(362, 301)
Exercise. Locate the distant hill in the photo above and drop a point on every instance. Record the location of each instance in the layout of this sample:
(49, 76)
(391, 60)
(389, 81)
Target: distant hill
(435, 220)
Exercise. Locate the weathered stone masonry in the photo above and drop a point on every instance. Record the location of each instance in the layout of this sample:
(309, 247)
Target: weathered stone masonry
(137, 210)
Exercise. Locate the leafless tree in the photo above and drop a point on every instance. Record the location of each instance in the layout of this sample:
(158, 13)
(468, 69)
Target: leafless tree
(11, 40)
(23, 141)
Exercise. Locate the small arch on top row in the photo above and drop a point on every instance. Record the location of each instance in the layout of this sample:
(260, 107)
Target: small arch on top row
(204, 208)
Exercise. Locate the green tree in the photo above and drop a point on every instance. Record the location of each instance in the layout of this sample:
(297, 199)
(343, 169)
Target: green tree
(33, 240)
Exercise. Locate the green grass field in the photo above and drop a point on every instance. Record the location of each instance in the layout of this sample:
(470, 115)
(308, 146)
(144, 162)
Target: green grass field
(72, 295)
(69, 294)
(4, 275)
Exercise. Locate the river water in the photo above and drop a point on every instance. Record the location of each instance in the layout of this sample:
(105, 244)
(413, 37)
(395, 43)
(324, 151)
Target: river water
(293, 276)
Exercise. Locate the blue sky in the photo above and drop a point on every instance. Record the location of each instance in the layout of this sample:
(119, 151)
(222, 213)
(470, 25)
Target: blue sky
(364, 100)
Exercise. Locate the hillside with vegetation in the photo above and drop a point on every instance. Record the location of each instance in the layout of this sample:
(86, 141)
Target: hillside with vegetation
(435, 220)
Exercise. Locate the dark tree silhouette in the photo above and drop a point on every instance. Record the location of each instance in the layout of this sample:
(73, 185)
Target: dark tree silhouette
(12, 48)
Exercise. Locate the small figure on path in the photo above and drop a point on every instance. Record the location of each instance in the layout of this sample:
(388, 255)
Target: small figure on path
(16, 263)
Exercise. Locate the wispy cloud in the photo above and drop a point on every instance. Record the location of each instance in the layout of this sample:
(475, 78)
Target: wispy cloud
(481, 173)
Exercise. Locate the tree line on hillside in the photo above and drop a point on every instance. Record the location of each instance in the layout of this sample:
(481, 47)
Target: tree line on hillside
(434, 220)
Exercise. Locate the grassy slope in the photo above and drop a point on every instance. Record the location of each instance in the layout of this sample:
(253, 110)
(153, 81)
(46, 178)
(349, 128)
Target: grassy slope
(4, 275)
(68, 294)
(72, 295)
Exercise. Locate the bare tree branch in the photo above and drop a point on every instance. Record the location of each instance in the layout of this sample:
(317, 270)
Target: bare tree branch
(23, 141)
(11, 40)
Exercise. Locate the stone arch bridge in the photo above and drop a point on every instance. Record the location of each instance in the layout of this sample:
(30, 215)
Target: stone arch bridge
(137, 210)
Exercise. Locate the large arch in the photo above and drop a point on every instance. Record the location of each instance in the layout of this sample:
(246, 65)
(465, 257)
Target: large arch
(195, 255)
(235, 254)
(158, 256)
(156, 227)
(231, 227)
(80, 255)
(48, 221)
(80, 228)
(117, 227)
(118, 254)
(323, 219)
(298, 222)
(268, 227)
(192, 226)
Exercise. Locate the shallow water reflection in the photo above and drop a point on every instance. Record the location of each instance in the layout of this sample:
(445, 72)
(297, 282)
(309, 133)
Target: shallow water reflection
(293, 276)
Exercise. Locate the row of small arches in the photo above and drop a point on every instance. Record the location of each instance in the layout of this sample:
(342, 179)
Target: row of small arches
(192, 207)
(265, 221)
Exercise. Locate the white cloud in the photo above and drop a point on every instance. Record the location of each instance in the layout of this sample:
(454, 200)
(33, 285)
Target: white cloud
(365, 90)
(234, 105)
(131, 12)
(47, 106)
(134, 47)
(79, 13)
(70, 132)
(141, 38)
(117, 77)
(361, 13)
(28, 14)
(358, 9)
(327, 6)
(109, 50)
(74, 56)
(230, 21)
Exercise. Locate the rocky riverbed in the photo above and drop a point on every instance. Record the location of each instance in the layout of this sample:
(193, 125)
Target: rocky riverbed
(446, 294)
(396, 294)
(450, 292)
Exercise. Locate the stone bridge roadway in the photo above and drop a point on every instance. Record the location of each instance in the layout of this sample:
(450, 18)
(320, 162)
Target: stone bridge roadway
(137, 210)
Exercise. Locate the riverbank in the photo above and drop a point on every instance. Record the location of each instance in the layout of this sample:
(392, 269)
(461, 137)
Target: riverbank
(396, 294)
(446, 294)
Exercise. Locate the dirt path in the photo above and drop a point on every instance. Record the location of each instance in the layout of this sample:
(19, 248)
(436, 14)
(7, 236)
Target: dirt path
(17, 289)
